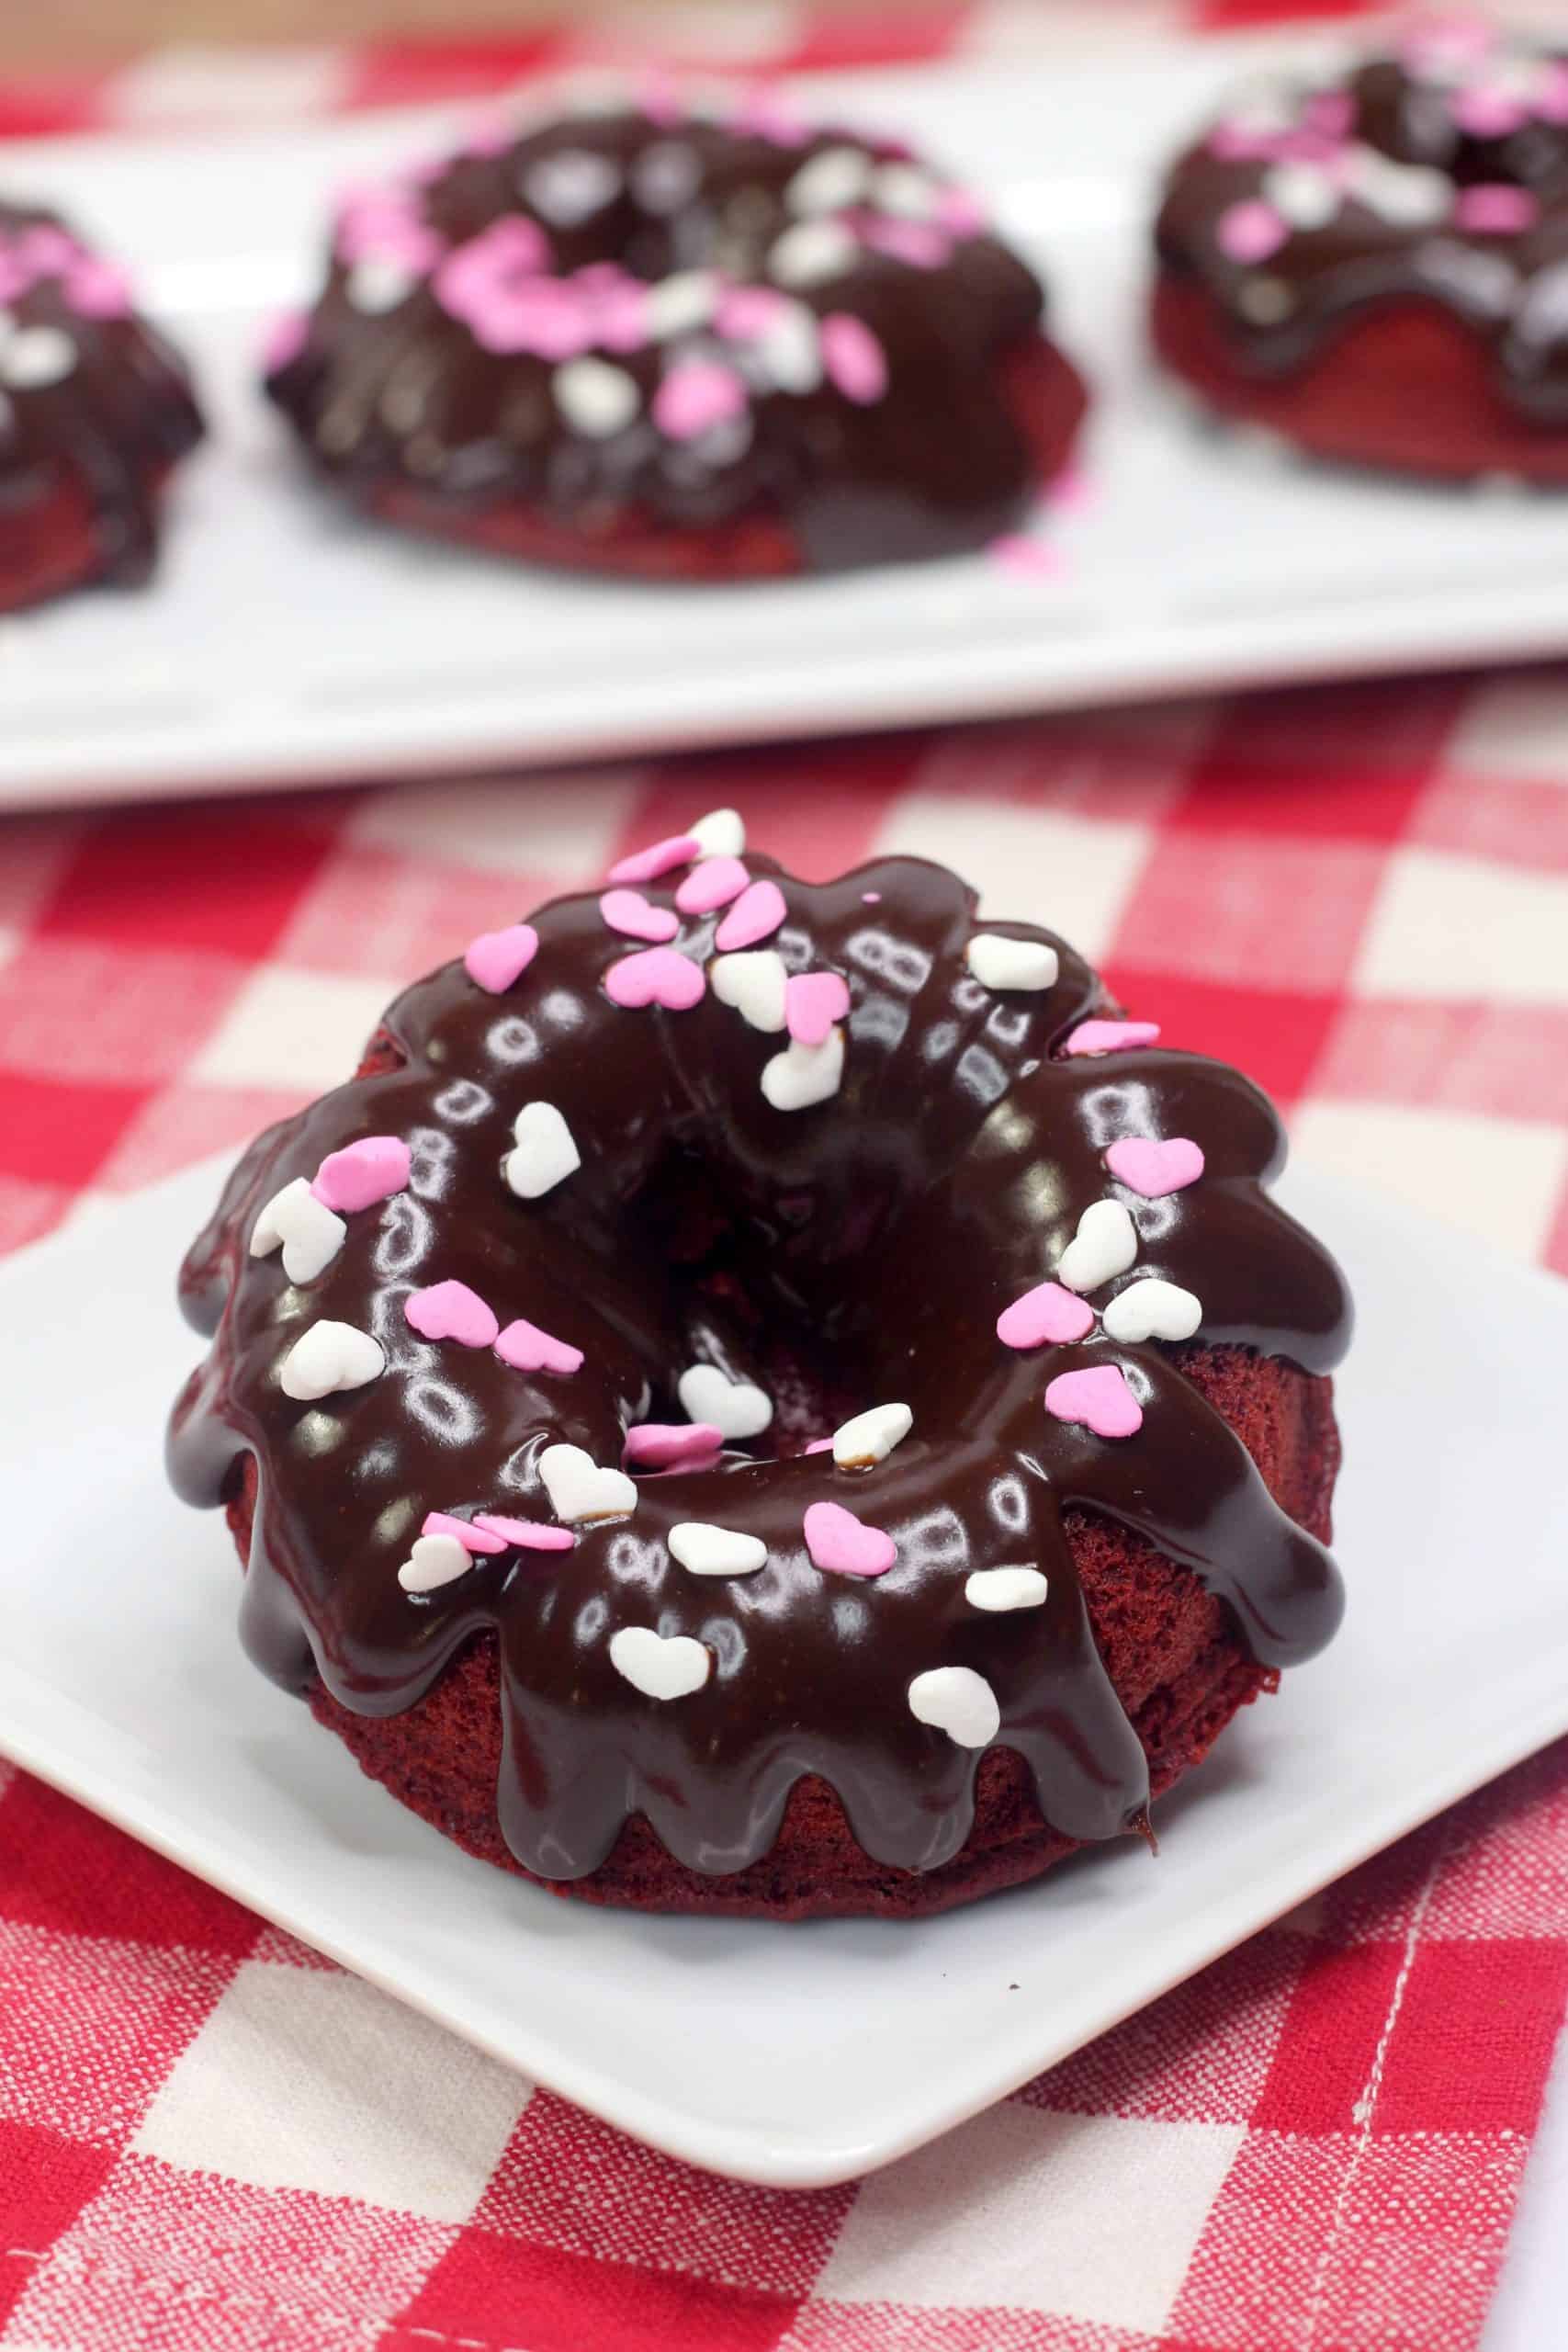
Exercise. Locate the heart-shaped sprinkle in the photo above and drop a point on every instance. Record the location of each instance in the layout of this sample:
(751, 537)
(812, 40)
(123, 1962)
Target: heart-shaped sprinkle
(805, 1075)
(956, 1699)
(647, 865)
(328, 1357)
(311, 1234)
(756, 984)
(669, 1445)
(496, 958)
(812, 1002)
(756, 915)
(595, 399)
(854, 358)
(579, 1488)
(821, 1446)
(706, 1551)
(846, 1545)
(694, 396)
(1155, 1165)
(433, 1561)
(636, 917)
(1104, 1246)
(1153, 1309)
(658, 976)
(1045, 1316)
(711, 884)
(363, 1173)
(661, 1666)
(1097, 1397)
(734, 1408)
(871, 1436)
(545, 1151)
(451, 1310)
(996, 1589)
(468, 1533)
(528, 1349)
(997, 962)
(1110, 1036)
(527, 1534)
(720, 834)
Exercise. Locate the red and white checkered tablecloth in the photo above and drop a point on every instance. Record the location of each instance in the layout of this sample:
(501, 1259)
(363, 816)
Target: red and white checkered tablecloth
(211, 2140)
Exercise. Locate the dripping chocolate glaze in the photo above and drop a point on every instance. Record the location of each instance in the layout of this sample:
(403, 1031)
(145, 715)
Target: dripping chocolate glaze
(115, 423)
(935, 465)
(885, 1229)
(1511, 288)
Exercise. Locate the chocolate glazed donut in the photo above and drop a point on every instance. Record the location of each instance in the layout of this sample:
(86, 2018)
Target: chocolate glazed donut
(1378, 268)
(662, 345)
(834, 1142)
(95, 410)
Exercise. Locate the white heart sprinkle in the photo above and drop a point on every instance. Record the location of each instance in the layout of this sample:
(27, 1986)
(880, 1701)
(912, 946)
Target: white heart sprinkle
(434, 1560)
(1105, 1245)
(1411, 196)
(571, 186)
(959, 1701)
(595, 399)
(661, 1666)
(312, 1234)
(999, 963)
(1302, 193)
(545, 1152)
(666, 176)
(327, 1357)
(812, 251)
(718, 834)
(904, 190)
(35, 357)
(790, 351)
(678, 304)
(378, 284)
(734, 1408)
(579, 1488)
(830, 182)
(871, 1436)
(1265, 300)
(753, 981)
(1153, 1309)
(802, 1075)
(710, 1551)
(999, 1588)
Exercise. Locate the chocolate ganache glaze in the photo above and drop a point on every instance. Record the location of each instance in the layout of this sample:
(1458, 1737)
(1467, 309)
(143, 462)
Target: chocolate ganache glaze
(950, 1128)
(647, 322)
(92, 398)
(1439, 174)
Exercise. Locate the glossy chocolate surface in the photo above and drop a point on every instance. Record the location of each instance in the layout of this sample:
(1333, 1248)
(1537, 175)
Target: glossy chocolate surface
(877, 1234)
(393, 383)
(1421, 208)
(91, 396)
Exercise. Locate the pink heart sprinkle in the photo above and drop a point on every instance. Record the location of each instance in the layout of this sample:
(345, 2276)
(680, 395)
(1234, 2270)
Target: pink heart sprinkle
(470, 1533)
(756, 915)
(853, 358)
(528, 1349)
(918, 242)
(528, 1534)
(636, 917)
(962, 212)
(1099, 1397)
(838, 1540)
(1251, 230)
(1488, 112)
(451, 1311)
(711, 884)
(647, 865)
(363, 1173)
(497, 957)
(657, 975)
(1047, 1315)
(821, 1446)
(1106, 1037)
(812, 1002)
(1494, 208)
(696, 395)
(666, 1445)
(1156, 1166)
(96, 290)
(746, 311)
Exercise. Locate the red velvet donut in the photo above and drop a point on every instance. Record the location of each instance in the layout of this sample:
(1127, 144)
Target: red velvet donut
(688, 348)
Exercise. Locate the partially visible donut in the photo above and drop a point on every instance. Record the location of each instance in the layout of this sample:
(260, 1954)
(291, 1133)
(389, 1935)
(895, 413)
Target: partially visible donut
(95, 410)
(1377, 268)
(720, 1161)
(697, 347)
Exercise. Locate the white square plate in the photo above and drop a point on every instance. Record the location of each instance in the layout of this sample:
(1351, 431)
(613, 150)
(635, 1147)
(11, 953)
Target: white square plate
(285, 641)
(807, 2054)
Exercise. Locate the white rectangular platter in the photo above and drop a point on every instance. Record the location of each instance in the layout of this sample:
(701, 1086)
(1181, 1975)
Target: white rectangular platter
(285, 642)
(791, 2055)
